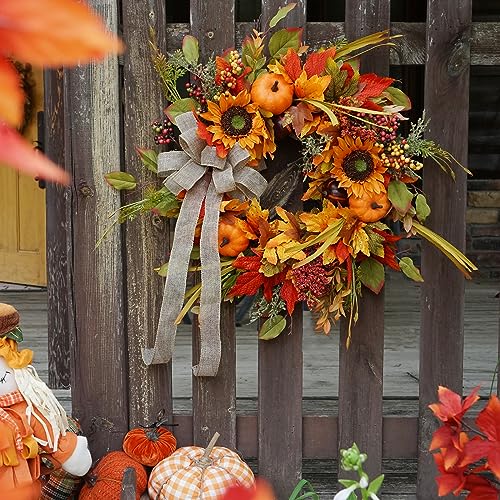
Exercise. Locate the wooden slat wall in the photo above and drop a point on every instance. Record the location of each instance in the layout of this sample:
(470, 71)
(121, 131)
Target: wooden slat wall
(361, 366)
(146, 239)
(447, 105)
(214, 398)
(99, 382)
(280, 369)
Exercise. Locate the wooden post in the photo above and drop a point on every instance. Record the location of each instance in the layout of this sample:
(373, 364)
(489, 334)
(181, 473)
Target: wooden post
(214, 398)
(146, 238)
(99, 380)
(441, 330)
(280, 360)
(58, 231)
(361, 367)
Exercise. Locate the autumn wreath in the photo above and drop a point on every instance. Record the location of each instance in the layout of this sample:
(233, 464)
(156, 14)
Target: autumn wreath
(359, 175)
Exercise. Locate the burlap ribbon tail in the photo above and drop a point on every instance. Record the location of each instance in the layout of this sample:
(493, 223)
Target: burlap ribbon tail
(205, 177)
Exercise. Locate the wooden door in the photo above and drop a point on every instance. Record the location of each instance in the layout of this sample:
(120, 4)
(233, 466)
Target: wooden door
(22, 209)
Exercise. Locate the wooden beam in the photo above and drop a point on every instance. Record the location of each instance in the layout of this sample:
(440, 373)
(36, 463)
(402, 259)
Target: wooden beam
(441, 330)
(99, 366)
(146, 238)
(214, 398)
(361, 366)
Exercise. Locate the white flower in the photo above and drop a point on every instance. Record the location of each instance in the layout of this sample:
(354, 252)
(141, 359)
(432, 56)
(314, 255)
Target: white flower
(363, 482)
(345, 494)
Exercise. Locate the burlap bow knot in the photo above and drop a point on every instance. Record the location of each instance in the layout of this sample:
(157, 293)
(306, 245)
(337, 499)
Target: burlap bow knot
(205, 177)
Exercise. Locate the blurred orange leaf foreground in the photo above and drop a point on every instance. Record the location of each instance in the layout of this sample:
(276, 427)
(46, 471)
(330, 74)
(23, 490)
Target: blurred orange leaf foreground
(48, 33)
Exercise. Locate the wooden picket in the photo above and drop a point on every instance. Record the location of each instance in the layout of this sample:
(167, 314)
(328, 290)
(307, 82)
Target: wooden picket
(106, 301)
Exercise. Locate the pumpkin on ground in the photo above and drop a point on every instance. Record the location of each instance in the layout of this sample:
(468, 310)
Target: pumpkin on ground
(370, 207)
(149, 445)
(232, 240)
(197, 473)
(272, 93)
(104, 481)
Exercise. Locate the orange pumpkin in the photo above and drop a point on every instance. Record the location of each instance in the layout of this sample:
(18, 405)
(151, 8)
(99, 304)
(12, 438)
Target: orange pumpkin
(149, 445)
(232, 239)
(370, 207)
(104, 480)
(272, 93)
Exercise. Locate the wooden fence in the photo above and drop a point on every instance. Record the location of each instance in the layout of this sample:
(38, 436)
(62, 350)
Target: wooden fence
(103, 303)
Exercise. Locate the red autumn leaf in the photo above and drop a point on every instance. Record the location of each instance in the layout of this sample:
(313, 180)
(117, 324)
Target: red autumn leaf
(300, 114)
(316, 62)
(451, 408)
(448, 481)
(488, 422)
(270, 283)
(290, 295)
(342, 251)
(16, 152)
(291, 63)
(442, 438)
(480, 488)
(261, 491)
(53, 32)
(474, 450)
(12, 100)
(251, 263)
(372, 85)
(247, 284)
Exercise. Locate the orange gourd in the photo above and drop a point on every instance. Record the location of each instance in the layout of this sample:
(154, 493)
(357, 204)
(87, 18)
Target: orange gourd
(232, 239)
(272, 93)
(104, 480)
(370, 207)
(149, 445)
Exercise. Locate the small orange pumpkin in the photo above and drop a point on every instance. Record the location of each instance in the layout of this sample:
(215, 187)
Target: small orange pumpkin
(370, 207)
(148, 445)
(232, 239)
(272, 93)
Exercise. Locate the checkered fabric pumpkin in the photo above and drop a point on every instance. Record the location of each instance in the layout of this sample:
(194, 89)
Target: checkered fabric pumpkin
(197, 473)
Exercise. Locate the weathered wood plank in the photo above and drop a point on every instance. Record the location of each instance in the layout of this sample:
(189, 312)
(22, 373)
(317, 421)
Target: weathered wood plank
(213, 24)
(361, 367)
(442, 326)
(146, 238)
(98, 342)
(57, 235)
(128, 484)
(485, 43)
(280, 368)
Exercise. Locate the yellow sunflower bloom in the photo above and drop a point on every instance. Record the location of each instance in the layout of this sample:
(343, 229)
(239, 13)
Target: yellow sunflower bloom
(235, 120)
(357, 166)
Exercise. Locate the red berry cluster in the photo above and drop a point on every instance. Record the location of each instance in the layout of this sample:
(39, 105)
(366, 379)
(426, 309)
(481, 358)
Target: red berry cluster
(311, 280)
(164, 132)
(389, 122)
(195, 92)
(354, 129)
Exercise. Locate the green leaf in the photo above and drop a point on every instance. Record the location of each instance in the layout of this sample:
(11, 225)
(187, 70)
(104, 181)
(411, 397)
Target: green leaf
(372, 274)
(15, 334)
(409, 269)
(283, 40)
(323, 107)
(167, 204)
(179, 107)
(400, 196)
(162, 270)
(347, 482)
(272, 327)
(423, 209)
(149, 158)
(398, 97)
(376, 484)
(281, 14)
(121, 180)
(191, 49)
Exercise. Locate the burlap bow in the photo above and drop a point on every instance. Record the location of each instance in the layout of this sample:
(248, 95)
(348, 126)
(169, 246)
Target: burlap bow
(205, 177)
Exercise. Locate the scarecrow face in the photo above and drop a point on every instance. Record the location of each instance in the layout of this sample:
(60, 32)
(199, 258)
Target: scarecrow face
(7, 380)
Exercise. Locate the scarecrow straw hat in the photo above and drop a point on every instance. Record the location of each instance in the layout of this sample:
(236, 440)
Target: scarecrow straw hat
(9, 318)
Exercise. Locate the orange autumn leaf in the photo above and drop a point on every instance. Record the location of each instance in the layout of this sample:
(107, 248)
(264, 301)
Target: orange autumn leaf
(18, 153)
(53, 32)
(12, 101)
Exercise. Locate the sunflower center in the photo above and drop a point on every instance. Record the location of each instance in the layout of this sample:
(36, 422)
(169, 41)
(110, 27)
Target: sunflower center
(236, 121)
(358, 165)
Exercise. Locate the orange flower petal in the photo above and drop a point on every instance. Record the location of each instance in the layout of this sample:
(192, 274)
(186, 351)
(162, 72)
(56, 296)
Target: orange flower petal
(54, 32)
(17, 153)
(11, 94)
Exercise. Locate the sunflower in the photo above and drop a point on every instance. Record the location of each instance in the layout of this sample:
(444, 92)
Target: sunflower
(235, 120)
(357, 166)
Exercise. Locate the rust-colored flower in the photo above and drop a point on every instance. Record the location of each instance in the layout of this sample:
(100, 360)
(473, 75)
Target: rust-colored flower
(357, 166)
(235, 120)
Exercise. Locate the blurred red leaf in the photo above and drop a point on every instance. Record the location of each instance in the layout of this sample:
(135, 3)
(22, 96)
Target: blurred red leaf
(12, 96)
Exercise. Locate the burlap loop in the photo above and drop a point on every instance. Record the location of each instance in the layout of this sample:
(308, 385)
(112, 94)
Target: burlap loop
(204, 176)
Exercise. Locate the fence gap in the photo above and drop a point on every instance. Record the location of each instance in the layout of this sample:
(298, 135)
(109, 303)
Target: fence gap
(99, 361)
(441, 330)
(214, 398)
(361, 367)
(280, 369)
